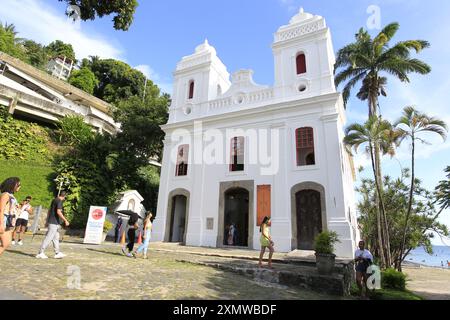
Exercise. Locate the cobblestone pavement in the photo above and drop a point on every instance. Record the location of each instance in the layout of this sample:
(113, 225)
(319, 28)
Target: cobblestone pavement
(106, 274)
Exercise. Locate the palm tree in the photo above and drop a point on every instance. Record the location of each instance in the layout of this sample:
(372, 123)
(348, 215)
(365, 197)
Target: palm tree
(375, 132)
(443, 192)
(410, 126)
(11, 28)
(368, 61)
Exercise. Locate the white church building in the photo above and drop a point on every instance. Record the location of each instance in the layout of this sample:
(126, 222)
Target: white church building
(236, 151)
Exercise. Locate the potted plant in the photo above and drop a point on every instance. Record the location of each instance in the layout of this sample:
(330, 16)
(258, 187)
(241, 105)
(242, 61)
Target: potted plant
(107, 226)
(324, 247)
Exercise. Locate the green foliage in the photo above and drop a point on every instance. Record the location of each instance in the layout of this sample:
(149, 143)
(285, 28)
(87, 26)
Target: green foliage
(443, 191)
(393, 279)
(10, 44)
(74, 131)
(58, 48)
(21, 140)
(84, 79)
(364, 60)
(396, 196)
(147, 184)
(36, 179)
(325, 241)
(107, 226)
(123, 10)
(36, 54)
(388, 294)
(117, 80)
(91, 180)
(141, 133)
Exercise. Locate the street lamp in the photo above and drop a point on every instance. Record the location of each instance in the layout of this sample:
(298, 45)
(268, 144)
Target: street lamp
(60, 181)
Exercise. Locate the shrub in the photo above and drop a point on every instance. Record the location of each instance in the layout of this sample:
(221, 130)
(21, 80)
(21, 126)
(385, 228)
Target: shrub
(74, 131)
(107, 226)
(393, 279)
(324, 242)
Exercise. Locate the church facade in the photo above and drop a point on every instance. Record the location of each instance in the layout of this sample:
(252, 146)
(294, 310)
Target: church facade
(236, 151)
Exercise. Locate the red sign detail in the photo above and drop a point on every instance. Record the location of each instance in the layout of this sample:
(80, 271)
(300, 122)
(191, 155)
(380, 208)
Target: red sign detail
(97, 214)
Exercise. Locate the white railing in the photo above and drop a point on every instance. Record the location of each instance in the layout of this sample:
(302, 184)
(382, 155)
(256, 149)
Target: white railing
(241, 100)
(301, 30)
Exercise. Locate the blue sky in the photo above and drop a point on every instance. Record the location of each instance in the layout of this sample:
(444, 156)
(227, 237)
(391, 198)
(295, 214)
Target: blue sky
(242, 33)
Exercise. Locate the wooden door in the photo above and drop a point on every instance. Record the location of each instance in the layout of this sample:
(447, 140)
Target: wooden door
(309, 218)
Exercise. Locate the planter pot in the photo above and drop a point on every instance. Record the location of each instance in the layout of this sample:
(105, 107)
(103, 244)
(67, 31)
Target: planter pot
(325, 263)
(104, 237)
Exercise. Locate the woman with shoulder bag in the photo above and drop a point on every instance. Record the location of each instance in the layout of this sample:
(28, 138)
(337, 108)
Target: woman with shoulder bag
(8, 204)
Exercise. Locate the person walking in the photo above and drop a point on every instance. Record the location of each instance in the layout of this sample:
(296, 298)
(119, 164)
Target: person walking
(266, 242)
(133, 226)
(8, 207)
(54, 219)
(148, 224)
(363, 259)
(22, 220)
(117, 229)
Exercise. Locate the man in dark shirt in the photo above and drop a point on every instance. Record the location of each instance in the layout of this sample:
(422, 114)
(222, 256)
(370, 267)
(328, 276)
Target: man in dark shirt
(54, 219)
(132, 227)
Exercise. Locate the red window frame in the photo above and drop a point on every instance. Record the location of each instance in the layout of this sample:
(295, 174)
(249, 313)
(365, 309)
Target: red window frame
(191, 89)
(304, 139)
(301, 63)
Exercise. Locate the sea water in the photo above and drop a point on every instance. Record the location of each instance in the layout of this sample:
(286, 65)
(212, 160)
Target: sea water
(441, 254)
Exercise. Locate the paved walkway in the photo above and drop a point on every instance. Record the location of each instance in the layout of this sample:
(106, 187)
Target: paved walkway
(102, 272)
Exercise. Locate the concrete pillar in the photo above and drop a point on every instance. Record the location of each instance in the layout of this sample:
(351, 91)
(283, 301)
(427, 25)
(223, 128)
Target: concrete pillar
(13, 105)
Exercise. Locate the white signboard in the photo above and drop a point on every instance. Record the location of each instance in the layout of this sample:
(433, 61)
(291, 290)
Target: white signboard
(94, 227)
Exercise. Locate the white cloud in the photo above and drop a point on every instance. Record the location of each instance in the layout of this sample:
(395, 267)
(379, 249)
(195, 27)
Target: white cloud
(291, 5)
(163, 84)
(36, 20)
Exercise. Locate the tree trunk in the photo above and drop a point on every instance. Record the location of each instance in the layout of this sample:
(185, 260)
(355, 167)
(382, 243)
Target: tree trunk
(373, 111)
(411, 195)
(379, 222)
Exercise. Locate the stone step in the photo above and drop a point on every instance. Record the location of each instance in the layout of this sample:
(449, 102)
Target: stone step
(305, 277)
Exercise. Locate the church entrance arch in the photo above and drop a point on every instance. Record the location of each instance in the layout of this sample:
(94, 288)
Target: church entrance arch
(236, 214)
(177, 216)
(308, 214)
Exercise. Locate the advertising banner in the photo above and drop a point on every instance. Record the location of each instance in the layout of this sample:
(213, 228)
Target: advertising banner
(94, 227)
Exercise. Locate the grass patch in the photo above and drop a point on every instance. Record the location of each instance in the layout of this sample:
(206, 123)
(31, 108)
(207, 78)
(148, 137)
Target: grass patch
(390, 294)
(36, 179)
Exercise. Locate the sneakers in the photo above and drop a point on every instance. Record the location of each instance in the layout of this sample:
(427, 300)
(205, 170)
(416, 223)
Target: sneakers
(41, 256)
(60, 255)
(13, 243)
(124, 251)
(20, 243)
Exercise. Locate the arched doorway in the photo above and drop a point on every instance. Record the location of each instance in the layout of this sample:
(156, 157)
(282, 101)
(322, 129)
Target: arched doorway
(178, 219)
(308, 214)
(236, 218)
(177, 216)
